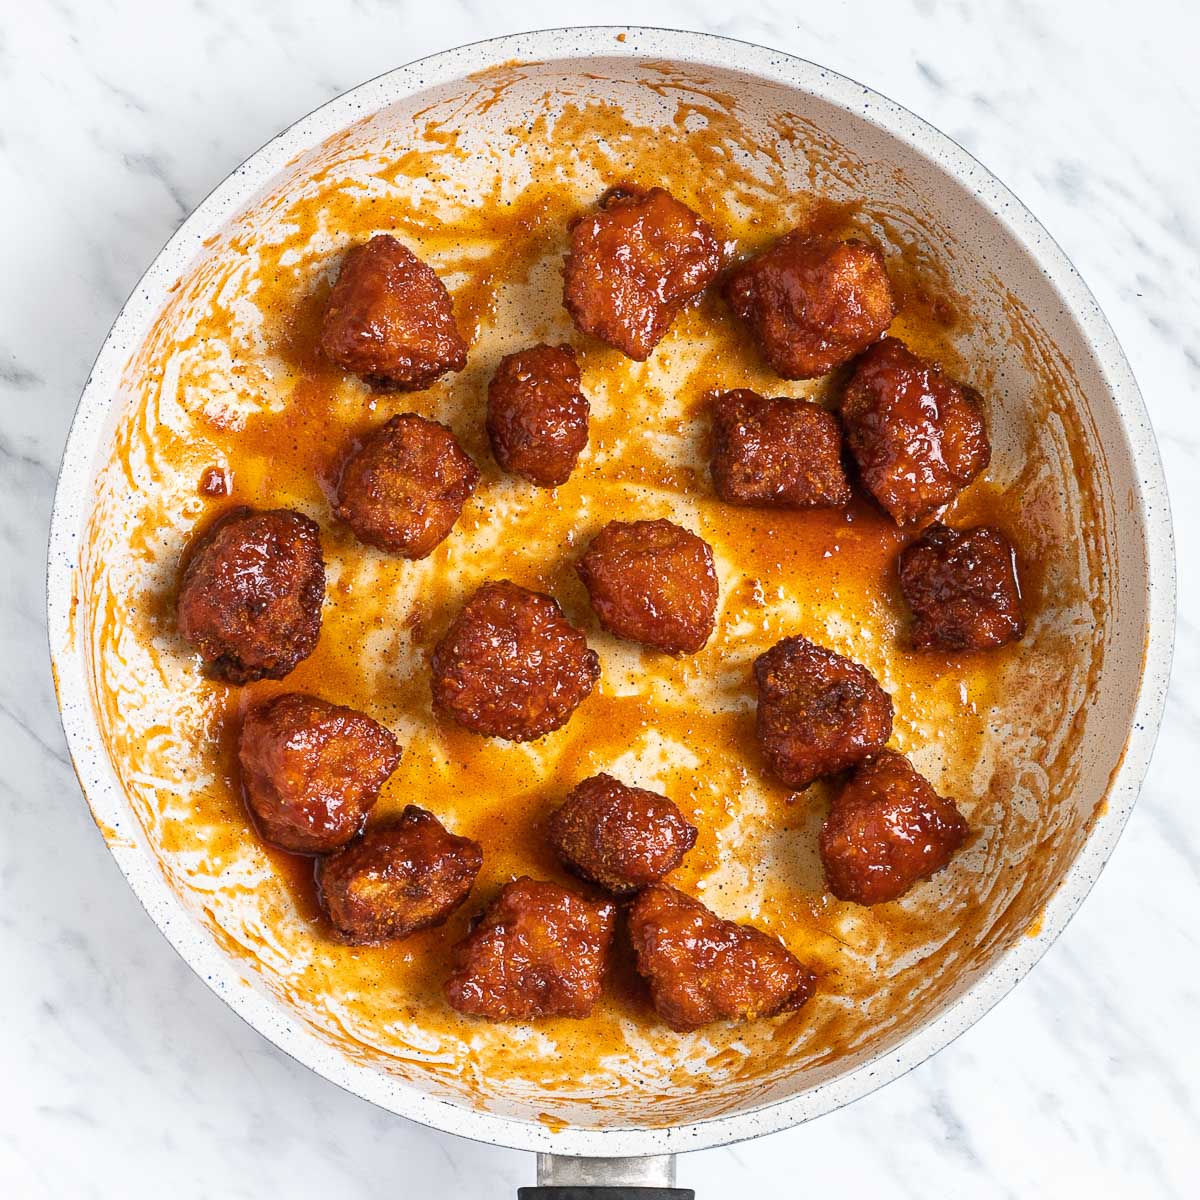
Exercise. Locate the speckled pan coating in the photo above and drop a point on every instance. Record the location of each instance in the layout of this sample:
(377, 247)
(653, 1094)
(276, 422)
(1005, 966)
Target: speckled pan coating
(1061, 300)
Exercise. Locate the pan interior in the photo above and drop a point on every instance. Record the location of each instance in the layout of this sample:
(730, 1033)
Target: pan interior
(480, 178)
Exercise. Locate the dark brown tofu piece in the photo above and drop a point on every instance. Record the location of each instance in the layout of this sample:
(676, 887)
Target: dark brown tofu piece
(634, 264)
(511, 665)
(886, 830)
(537, 416)
(777, 453)
(962, 588)
(818, 712)
(812, 301)
(652, 582)
(311, 770)
(404, 487)
(702, 968)
(619, 837)
(390, 319)
(398, 878)
(539, 950)
(250, 596)
(917, 435)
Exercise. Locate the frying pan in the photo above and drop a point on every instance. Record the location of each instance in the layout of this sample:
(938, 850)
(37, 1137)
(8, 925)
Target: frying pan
(1051, 354)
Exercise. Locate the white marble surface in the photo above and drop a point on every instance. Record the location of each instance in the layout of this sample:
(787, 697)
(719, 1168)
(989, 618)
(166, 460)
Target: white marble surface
(122, 1074)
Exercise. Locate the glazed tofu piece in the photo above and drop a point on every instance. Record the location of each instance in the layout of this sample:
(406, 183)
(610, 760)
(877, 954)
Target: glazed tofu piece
(702, 968)
(511, 665)
(396, 879)
(251, 593)
(312, 770)
(539, 950)
(390, 319)
(818, 712)
(917, 435)
(537, 416)
(652, 582)
(962, 588)
(812, 301)
(886, 830)
(777, 453)
(634, 264)
(403, 489)
(620, 838)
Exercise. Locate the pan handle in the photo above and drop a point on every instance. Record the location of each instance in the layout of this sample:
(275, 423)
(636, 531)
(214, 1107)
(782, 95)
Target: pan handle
(563, 1177)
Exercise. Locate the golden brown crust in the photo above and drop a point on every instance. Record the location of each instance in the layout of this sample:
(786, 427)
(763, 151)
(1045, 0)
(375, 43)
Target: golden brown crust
(652, 582)
(619, 837)
(813, 301)
(390, 319)
(702, 968)
(886, 830)
(634, 264)
(818, 712)
(917, 435)
(537, 416)
(311, 770)
(511, 665)
(779, 453)
(398, 878)
(404, 487)
(962, 587)
(250, 596)
(539, 950)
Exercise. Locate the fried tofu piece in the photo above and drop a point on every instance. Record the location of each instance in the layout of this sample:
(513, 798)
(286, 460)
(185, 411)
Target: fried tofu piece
(812, 301)
(390, 319)
(652, 582)
(886, 830)
(818, 712)
(250, 596)
(539, 950)
(312, 770)
(917, 435)
(511, 665)
(403, 489)
(777, 453)
(962, 588)
(634, 264)
(398, 878)
(702, 968)
(537, 415)
(619, 837)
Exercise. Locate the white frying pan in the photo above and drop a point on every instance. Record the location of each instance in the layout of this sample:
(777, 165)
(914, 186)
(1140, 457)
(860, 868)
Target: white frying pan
(1062, 386)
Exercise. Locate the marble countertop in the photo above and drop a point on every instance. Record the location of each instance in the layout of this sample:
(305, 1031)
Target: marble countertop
(124, 1075)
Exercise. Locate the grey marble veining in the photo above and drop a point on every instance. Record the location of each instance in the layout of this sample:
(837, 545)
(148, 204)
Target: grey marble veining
(124, 1076)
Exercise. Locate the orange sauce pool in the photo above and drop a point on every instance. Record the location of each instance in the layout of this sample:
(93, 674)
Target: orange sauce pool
(278, 432)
